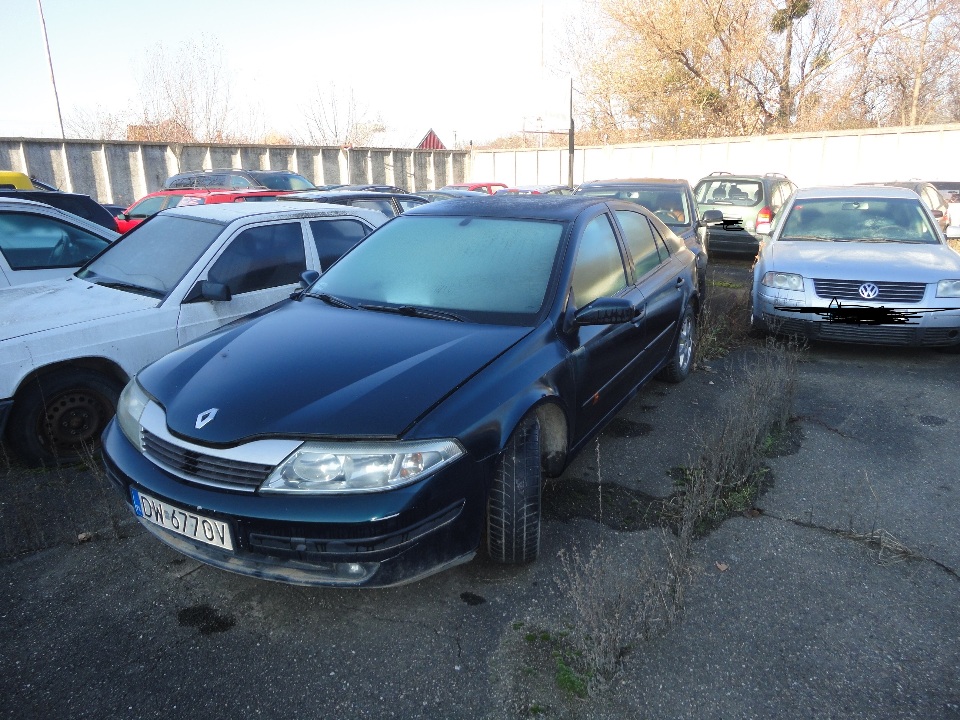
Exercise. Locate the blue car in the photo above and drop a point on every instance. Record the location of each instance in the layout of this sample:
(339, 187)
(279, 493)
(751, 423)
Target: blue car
(403, 408)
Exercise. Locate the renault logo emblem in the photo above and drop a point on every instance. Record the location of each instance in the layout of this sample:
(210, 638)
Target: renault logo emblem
(205, 417)
(868, 291)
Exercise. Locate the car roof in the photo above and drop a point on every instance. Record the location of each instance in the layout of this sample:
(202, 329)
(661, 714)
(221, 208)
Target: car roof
(533, 207)
(867, 191)
(228, 212)
(634, 181)
(351, 194)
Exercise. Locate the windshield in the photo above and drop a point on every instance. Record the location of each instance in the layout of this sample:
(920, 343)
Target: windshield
(668, 204)
(154, 256)
(492, 270)
(283, 181)
(852, 219)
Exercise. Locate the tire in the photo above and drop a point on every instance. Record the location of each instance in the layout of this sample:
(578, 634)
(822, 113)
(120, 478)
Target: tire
(684, 349)
(58, 418)
(513, 508)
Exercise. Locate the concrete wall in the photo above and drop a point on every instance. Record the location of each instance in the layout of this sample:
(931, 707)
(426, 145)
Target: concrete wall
(121, 172)
(930, 153)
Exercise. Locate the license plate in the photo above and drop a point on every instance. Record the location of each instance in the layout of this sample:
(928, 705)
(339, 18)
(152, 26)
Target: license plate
(183, 522)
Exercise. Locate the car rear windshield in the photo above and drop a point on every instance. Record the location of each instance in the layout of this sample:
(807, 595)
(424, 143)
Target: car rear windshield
(282, 181)
(154, 256)
(668, 204)
(491, 270)
(853, 219)
(725, 191)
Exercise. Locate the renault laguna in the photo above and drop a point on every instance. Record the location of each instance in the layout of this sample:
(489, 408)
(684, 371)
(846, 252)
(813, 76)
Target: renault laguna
(402, 409)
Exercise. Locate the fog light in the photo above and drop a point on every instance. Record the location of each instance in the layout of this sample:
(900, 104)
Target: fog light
(355, 571)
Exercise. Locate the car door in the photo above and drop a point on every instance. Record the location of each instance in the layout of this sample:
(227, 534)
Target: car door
(661, 281)
(603, 358)
(261, 264)
(333, 236)
(38, 247)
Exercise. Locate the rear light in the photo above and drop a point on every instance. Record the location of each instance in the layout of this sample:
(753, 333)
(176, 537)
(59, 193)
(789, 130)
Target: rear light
(764, 218)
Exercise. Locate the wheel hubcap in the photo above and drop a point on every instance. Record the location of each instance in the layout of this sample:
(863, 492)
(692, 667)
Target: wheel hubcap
(685, 343)
(74, 418)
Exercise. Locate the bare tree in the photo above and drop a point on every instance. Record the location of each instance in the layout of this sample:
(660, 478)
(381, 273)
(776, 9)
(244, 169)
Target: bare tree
(334, 117)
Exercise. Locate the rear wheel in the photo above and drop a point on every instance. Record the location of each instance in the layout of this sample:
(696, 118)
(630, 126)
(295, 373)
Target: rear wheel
(513, 509)
(682, 361)
(60, 417)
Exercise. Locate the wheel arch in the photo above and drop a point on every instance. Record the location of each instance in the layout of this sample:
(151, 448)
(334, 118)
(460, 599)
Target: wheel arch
(101, 365)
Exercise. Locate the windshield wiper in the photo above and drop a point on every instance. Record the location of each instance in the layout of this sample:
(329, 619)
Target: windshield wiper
(139, 289)
(330, 300)
(415, 311)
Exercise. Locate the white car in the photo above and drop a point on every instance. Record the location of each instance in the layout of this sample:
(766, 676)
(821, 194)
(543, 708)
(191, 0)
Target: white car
(68, 346)
(40, 242)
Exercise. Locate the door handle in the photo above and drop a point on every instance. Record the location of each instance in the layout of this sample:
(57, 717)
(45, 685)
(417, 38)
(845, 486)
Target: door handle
(679, 282)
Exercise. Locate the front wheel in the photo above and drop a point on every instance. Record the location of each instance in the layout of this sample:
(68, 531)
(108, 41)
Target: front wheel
(60, 417)
(682, 361)
(513, 509)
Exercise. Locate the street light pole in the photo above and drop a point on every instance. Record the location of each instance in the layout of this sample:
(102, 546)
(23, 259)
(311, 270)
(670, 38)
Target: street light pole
(53, 79)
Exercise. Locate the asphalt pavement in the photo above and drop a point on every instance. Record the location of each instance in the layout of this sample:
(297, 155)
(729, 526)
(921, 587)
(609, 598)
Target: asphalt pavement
(838, 599)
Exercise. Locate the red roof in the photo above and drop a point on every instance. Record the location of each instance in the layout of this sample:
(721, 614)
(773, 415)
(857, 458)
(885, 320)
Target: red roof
(431, 142)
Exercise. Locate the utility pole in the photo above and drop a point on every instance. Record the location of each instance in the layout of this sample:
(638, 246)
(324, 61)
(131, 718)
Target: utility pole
(570, 144)
(53, 79)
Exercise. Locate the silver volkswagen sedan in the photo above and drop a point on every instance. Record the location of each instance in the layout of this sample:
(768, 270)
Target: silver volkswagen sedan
(858, 264)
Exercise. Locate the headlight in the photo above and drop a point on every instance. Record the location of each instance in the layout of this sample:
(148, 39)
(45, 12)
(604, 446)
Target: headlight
(948, 288)
(319, 467)
(130, 407)
(783, 281)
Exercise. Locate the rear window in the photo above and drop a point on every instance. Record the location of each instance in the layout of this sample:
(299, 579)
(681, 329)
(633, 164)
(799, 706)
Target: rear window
(282, 181)
(724, 191)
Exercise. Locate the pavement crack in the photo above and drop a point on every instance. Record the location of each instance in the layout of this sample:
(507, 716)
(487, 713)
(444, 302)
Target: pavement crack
(823, 424)
(889, 549)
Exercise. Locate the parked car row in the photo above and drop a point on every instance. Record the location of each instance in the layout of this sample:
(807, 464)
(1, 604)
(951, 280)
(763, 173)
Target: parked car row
(361, 387)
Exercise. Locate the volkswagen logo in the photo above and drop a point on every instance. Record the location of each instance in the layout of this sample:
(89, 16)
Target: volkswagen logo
(205, 417)
(868, 291)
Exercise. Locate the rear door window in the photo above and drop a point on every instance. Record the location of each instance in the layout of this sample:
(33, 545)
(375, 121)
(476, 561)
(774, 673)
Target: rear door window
(599, 270)
(261, 257)
(640, 241)
(334, 237)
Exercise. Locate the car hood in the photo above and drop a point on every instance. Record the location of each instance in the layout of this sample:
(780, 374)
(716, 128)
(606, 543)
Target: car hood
(36, 307)
(306, 369)
(892, 262)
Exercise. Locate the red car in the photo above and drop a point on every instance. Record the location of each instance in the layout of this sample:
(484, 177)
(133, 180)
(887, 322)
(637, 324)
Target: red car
(488, 187)
(150, 205)
(162, 199)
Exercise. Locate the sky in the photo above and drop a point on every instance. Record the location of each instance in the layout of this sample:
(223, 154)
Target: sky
(470, 71)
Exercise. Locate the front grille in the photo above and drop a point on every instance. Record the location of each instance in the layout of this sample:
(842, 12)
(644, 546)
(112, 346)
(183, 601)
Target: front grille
(882, 335)
(204, 469)
(901, 292)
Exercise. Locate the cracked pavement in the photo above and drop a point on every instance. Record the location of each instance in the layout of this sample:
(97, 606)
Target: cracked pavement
(839, 600)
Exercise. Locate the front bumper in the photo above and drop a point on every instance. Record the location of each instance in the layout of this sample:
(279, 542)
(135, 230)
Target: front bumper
(363, 540)
(934, 329)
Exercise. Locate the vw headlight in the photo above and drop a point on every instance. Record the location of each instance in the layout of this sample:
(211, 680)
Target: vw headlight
(783, 281)
(130, 407)
(320, 467)
(948, 288)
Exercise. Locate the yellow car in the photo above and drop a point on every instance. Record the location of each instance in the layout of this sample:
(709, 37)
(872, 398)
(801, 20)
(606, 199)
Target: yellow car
(10, 180)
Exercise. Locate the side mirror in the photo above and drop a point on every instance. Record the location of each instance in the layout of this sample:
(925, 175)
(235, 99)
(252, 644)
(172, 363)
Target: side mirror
(122, 216)
(207, 290)
(938, 214)
(711, 217)
(308, 278)
(606, 311)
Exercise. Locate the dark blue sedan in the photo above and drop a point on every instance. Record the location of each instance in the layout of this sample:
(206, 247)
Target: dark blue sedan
(408, 402)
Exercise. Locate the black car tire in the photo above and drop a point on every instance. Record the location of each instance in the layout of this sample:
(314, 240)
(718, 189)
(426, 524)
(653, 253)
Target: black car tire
(684, 349)
(59, 418)
(513, 508)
